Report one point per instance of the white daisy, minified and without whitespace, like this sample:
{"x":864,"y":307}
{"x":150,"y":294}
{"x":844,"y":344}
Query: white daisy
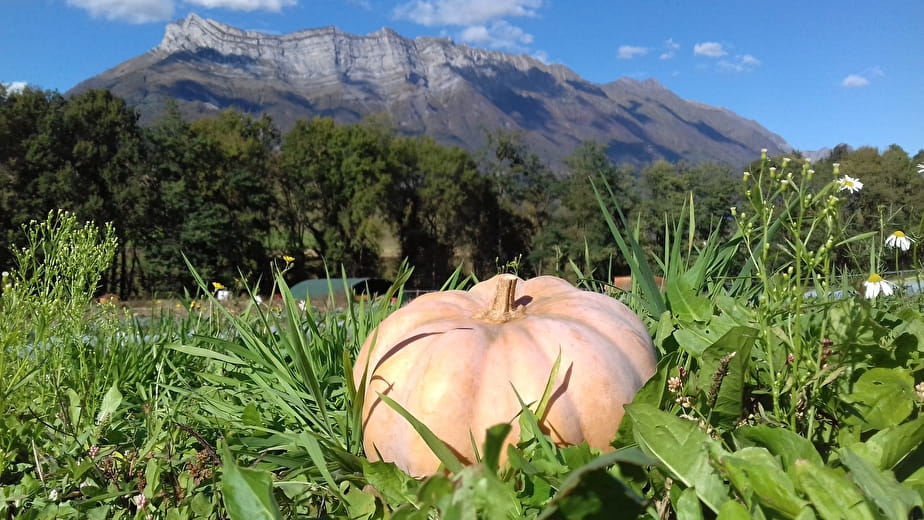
{"x":900,"y":240}
{"x":850,"y":184}
{"x":875,"y":285}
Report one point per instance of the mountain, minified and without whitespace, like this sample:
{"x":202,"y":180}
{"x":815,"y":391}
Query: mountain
{"x":428,"y":86}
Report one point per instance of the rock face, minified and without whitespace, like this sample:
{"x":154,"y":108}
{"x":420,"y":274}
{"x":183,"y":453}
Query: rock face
{"x":428,"y":86}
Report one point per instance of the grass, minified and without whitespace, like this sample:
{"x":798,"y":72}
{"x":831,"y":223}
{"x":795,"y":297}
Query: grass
{"x":766,"y":404}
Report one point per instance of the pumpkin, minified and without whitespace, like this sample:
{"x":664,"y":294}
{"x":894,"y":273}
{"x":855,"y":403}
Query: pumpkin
{"x":454,"y":358}
{"x":624,"y":283}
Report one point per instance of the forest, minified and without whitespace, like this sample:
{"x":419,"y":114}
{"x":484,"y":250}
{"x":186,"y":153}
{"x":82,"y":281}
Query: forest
{"x":234,"y":195}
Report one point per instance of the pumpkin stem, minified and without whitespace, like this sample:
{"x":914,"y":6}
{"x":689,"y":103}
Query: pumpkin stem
{"x":504,"y":307}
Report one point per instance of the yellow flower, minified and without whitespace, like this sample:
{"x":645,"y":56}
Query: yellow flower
{"x":217,"y":286}
{"x":288,"y":259}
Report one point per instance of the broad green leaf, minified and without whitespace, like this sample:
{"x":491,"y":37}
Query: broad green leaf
{"x":110,"y":404}
{"x":663,"y":331}
{"x":722,"y":371}
{"x":685,"y":303}
{"x":732,"y":510}
{"x":755,"y":470}
{"x":893,"y":499}
{"x":248,"y":493}
{"x":591,"y":485}
{"x":408,"y":512}
{"x":360,"y":505}
{"x":886,"y":448}
{"x":494,"y":442}
{"x":152,"y":477}
{"x":851,"y":323}
{"x":832,"y":495}
{"x":652,"y":393}
{"x":682,"y":448}
{"x":806,"y":514}
{"x":394,"y":485}
{"x":883,"y":397}
{"x":783,"y":443}
{"x":97,"y":513}
{"x":251,"y":416}
{"x":74,"y":408}
{"x":201,"y":505}
{"x":479,"y":490}
{"x":439,"y":448}
{"x":911,"y":324}
{"x":436,"y":491}
{"x":577,"y":455}
{"x":591,"y":492}
{"x":916,"y":481}
{"x":687,"y":506}
{"x":696,"y":339}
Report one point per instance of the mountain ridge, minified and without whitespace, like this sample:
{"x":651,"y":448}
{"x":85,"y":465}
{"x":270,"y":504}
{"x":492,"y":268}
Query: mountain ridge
{"x":428,"y":85}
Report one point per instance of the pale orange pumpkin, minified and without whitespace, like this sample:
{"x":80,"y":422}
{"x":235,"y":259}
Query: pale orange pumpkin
{"x":453,"y":359}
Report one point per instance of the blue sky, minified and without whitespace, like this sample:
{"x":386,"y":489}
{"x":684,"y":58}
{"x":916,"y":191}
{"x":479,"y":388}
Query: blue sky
{"x":818,"y":73}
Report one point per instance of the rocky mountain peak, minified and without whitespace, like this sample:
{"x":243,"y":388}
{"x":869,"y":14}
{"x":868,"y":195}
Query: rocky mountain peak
{"x":427,"y":85}
{"x":330,"y":52}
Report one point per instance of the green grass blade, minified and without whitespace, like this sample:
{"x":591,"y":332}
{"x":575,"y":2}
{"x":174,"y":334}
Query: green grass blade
{"x":439,"y":448}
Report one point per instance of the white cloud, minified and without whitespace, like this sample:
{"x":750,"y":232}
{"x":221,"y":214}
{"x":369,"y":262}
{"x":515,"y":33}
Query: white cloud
{"x":133,"y":11}
{"x":741,"y":63}
{"x":14,"y":86}
{"x":145,"y":11}
{"x":749,"y":60}
{"x":627,"y":52}
{"x":711,"y":49}
{"x":463,"y":12}
{"x":670,"y":49}
{"x":244,"y":5}
{"x":854,"y":80}
{"x":498,"y":34}
{"x":863,"y":79}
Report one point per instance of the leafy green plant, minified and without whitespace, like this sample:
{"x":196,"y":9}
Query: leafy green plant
{"x":775,"y":371}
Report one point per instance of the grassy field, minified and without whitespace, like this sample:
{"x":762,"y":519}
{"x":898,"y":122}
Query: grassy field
{"x":767,"y":403}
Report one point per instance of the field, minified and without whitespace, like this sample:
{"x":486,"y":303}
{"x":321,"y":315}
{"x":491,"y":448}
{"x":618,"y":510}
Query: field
{"x":787,"y":387}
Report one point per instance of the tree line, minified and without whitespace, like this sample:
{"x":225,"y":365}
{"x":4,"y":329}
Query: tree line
{"x":235,"y":195}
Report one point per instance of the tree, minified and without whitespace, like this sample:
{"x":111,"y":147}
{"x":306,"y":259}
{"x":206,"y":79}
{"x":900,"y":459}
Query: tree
{"x":79,"y":155}
{"x":331,"y":182}
{"x":99,"y":178}
{"x":27,"y":152}
{"x":664,"y":192}
{"x":441,"y":207}
{"x":239,"y":185}
{"x":581,"y":230}
{"x":209,"y":199}
{"x":526,"y":189}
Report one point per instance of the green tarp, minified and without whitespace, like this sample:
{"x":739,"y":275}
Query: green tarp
{"x":338,"y":287}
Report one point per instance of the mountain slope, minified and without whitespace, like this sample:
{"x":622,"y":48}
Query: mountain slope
{"x":429,"y":86}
